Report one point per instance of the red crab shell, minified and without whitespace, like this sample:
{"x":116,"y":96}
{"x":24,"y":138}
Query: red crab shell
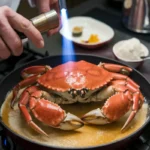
{"x":75,"y":75}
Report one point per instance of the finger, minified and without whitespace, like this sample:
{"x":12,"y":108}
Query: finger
{"x":10,"y":38}
{"x":24,"y":25}
{"x":53,"y":31}
{"x":54,"y":5}
{"x":4,"y":51}
{"x":43,"y":5}
{"x":53,"y":1}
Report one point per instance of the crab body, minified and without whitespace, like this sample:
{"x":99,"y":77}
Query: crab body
{"x":77,"y":82}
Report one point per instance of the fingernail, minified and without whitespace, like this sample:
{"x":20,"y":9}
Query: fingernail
{"x":41,"y":44}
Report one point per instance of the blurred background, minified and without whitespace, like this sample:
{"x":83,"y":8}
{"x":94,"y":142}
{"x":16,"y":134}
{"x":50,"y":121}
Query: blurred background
{"x":29,"y":12}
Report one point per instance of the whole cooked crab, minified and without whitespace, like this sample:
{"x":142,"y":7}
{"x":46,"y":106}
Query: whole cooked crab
{"x":72,"y":82}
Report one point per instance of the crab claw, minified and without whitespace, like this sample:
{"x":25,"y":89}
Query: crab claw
{"x":71,"y":122}
{"x":95,"y":117}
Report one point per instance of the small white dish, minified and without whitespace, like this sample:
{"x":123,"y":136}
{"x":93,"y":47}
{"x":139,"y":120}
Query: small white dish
{"x":90,"y":26}
{"x":131,"y":62}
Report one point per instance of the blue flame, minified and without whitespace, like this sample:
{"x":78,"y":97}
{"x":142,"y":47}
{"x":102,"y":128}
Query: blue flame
{"x":5,"y":142}
{"x":67,"y":45}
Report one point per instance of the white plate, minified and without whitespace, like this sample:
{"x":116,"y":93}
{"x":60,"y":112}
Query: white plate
{"x":90,"y":26}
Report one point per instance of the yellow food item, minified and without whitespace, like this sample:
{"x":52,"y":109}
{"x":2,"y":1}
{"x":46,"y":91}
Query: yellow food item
{"x":92,"y":39}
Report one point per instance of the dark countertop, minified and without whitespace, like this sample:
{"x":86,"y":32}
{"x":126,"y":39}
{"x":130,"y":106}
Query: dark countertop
{"x":103,"y":11}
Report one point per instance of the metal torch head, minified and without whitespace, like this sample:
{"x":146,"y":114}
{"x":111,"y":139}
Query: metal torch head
{"x":46,"y":21}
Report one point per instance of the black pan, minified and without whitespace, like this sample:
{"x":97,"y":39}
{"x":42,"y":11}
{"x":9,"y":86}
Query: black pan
{"x":14,"y":77}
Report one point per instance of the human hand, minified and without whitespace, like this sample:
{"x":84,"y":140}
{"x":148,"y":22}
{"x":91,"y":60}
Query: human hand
{"x":45,"y":6}
{"x":10,"y":43}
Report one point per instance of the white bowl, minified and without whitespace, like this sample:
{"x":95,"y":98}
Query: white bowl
{"x":131,"y":62}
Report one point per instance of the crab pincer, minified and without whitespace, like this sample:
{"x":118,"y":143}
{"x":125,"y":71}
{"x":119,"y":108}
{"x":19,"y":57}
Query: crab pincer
{"x":121,"y":95}
{"x":46,"y":111}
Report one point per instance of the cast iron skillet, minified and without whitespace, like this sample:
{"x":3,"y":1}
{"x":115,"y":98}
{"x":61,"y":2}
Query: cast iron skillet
{"x":14,"y":77}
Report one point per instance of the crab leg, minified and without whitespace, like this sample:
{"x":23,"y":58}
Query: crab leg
{"x":26,"y":82}
{"x":30,"y":75}
{"x":34,"y":70}
{"x":116,"y":68}
{"x":22,"y":105}
{"x":129,"y":83}
{"x":117,"y":76}
{"x":135,"y":108}
{"x":46,"y":111}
